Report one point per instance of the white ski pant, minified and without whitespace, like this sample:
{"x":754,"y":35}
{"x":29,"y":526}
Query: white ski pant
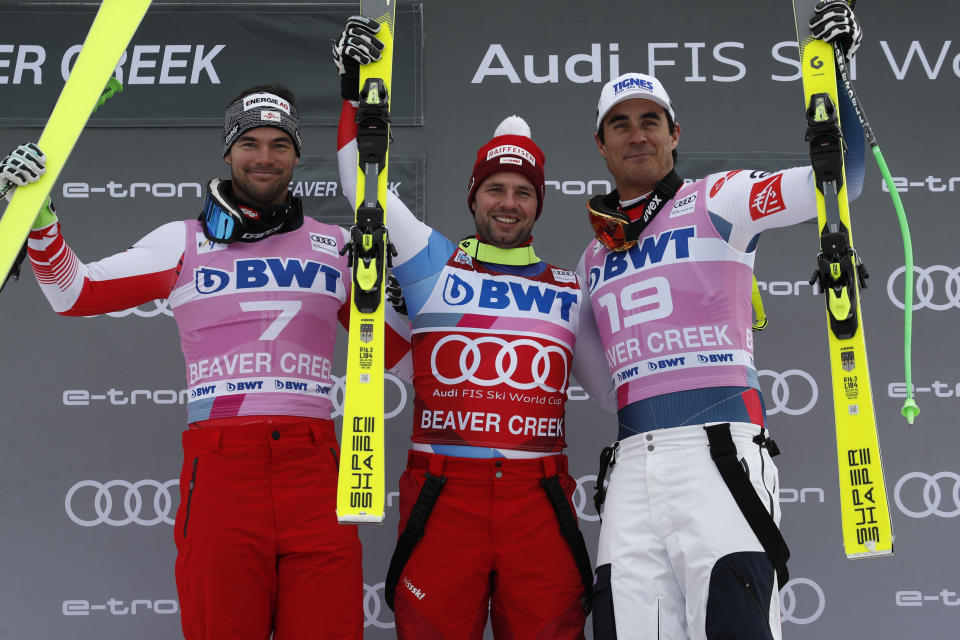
{"x":677,"y":558}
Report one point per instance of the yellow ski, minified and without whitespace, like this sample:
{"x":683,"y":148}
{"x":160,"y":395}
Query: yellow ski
{"x":112,"y":29}
{"x":865,"y":516}
{"x":360,"y":485}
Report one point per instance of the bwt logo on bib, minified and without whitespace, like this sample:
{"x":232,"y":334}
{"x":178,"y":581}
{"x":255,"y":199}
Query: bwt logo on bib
{"x":245,"y":385}
{"x":272,"y":273}
{"x":289,"y":385}
{"x":498,"y":294}
{"x":667,"y":363}
{"x":653,"y":250}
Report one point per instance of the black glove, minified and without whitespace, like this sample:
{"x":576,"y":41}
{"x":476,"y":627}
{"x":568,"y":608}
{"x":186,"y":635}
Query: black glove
{"x":833,"y":21}
{"x":394,"y":295}
{"x":358,"y":44}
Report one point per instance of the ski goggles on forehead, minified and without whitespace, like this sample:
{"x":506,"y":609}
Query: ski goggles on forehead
{"x":612,"y":228}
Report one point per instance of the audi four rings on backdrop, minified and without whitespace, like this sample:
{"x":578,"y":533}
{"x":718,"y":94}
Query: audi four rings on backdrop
{"x":777,"y":401}
{"x":936,"y":501}
{"x":926,"y":290}
{"x":374,"y":603}
{"x":161,"y":507}
{"x":795,"y":608}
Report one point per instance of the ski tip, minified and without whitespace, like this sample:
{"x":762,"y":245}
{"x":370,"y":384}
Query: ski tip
{"x":910,"y":410}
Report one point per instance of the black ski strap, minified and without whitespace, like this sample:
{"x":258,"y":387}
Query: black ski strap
{"x":572,"y":535}
{"x":724,"y":454}
{"x":412,"y":533}
{"x":608,"y":459}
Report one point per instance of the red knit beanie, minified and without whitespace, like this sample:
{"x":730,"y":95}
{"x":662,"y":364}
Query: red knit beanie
{"x":511,"y":149}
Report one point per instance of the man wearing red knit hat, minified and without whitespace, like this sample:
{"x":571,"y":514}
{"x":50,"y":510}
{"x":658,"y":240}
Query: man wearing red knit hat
{"x":486,"y":519}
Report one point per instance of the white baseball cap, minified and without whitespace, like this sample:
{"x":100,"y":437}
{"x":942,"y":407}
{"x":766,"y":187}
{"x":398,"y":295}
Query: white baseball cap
{"x":632,"y":85}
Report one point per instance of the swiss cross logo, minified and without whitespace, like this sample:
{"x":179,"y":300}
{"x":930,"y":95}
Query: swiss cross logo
{"x":766,"y":197}
{"x":715,"y":189}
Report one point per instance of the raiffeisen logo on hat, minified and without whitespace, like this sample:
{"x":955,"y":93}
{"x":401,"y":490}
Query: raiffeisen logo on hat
{"x":513,"y":150}
{"x":256,"y":100}
{"x":632,"y":83}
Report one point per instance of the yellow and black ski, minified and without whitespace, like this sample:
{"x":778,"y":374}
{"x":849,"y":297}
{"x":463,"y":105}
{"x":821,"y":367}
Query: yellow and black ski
{"x":113,"y":27}
{"x":865,"y":516}
{"x":360,"y":486}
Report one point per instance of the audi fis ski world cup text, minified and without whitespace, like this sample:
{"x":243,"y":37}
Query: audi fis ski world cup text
{"x":701,"y":62}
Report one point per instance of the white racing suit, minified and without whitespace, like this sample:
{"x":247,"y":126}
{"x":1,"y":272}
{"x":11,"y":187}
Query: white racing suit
{"x":677,"y":557}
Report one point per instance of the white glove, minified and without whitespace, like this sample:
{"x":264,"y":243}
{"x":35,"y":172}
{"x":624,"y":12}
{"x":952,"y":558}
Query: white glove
{"x":23,"y":165}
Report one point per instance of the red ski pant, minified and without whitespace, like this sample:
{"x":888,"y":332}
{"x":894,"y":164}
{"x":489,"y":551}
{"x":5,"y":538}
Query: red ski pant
{"x":492,"y":543}
{"x":259,"y":549}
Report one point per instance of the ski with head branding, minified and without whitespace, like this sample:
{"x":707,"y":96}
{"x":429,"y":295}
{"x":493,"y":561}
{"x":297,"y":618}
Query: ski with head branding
{"x":360,"y":486}
{"x":865,"y":516}
{"x":111,"y":31}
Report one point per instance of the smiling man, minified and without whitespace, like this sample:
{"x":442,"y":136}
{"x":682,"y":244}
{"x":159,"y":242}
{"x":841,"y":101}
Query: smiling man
{"x":688,"y":550}
{"x":257,"y":290}
{"x":487,"y":526}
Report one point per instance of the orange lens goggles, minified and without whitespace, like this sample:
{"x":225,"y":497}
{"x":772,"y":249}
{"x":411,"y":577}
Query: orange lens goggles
{"x":610,"y":228}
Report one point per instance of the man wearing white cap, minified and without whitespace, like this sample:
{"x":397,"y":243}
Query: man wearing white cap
{"x":486,"y":520}
{"x":687,"y":548}
{"x":257,"y":290}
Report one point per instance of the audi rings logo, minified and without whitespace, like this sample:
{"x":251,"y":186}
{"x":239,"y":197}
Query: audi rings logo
{"x":793,"y":382}
{"x":118,"y":503}
{"x":375,"y":603}
{"x":336,"y":395}
{"x":801,"y":601}
{"x":939,"y":294}
{"x":939,"y":493}
{"x":500,"y":362}
{"x":583,"y":498}
{"x":146,"y":310}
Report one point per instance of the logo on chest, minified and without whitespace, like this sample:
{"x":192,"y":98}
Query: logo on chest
{"x":671,"y":245}
{"x":267,"y":273}
{"x":504,"y":295}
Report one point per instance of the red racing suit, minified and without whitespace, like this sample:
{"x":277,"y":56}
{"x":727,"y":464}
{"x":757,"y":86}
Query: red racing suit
{"x":260,"y":551}
{"x":493,"y":347}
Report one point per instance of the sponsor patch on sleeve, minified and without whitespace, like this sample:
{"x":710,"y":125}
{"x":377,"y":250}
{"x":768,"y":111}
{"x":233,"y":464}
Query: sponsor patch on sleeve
{"x":562,"y":275}
{"x":766,"y":197}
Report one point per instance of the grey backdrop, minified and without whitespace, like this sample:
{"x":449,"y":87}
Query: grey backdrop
{"x":98,"y":400}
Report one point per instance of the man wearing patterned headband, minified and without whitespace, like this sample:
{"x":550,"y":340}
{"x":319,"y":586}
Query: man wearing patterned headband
{"x":256,"y":290}
{"x":487,"y":524}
